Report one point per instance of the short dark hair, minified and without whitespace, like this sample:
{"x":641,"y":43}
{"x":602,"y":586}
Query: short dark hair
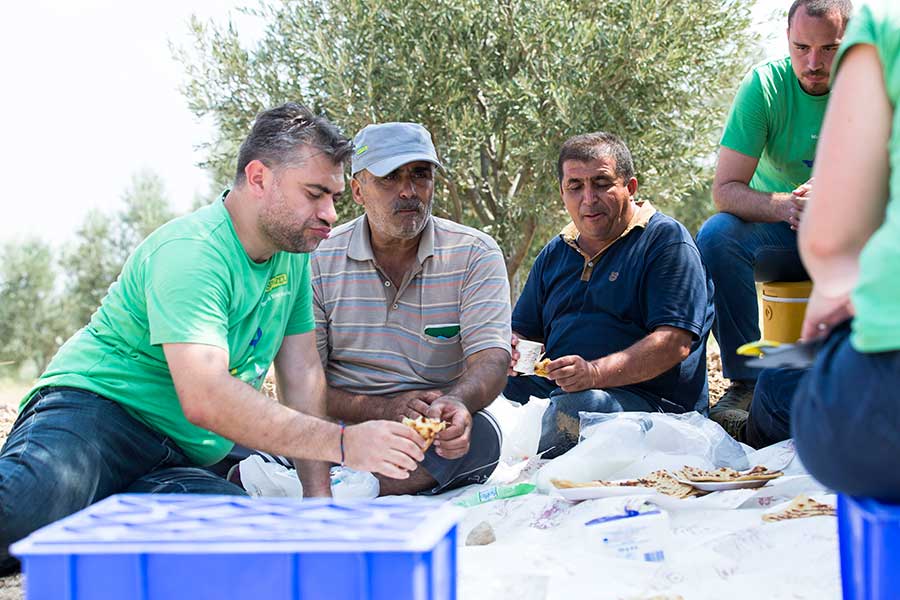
{"x":821,"y":8}
{"x":591,"y":146}
{"x":277,"y":133}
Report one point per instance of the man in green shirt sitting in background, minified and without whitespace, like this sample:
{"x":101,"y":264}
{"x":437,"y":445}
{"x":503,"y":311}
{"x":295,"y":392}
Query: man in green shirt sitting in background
{"x":165,"y":378}
{"x":761,"y":183}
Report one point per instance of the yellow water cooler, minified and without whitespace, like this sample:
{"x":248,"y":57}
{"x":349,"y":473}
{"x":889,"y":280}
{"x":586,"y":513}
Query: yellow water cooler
{"x":784,"y":306}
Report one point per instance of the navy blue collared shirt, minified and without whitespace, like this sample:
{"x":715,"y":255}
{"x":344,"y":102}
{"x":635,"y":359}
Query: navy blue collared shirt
{"x":592,"y":307}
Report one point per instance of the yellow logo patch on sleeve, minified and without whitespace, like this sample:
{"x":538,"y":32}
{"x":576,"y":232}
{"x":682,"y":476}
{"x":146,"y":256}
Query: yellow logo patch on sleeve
{"x":276,"y":282}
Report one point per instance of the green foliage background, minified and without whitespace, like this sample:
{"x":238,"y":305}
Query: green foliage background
{"x":47,"y":294}
{"x":500,"y":84}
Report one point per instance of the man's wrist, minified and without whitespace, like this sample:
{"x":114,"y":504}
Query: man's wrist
{"x":596,"y":374}
{"x":783,"y":206}
{"x":453,"y":398}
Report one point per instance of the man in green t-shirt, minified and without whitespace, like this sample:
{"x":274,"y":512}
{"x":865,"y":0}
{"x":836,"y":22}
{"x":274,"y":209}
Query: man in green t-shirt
{"x":762,"y":180}
{"x":165,"y":378}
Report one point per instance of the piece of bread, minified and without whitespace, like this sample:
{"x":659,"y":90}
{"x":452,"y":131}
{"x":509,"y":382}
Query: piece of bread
{"x":725,"y":474}
{"x":540,"y":367}
{"x":662,"y":481}
{"x":427,"y":428}
{"x":566,"y":484}
{"x":800,"y":507}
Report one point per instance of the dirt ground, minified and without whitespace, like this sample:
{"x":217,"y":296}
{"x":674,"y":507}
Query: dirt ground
{"x":11,"y":587}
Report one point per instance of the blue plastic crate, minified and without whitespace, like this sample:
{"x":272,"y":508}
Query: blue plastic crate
{"x":869,"y":534}
{"x":172,"y":547}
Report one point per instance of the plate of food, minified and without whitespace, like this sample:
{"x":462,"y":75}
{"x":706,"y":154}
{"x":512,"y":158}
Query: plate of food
{"x":726,"y":479}
{"x":658,"y":482}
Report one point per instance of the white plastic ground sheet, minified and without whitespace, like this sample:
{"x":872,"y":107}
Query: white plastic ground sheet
{"x":716,"y":546}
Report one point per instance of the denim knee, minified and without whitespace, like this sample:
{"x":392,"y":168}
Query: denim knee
{"x":719,"y":231}
{"x":571,"y":403}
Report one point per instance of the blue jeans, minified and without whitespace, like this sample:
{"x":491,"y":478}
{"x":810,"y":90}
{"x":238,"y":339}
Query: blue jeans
{"x":846,"y":421}
{"x":730,"y":247}
{"x":560,"y":427}
{"x":770,"y":413}
{"x":70,"y":448}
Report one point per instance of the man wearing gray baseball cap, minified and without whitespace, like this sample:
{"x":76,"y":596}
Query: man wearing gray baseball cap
{"x":412,"y":312}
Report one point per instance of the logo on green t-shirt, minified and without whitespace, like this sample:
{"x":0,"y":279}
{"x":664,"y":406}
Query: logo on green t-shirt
{"x":276,"y":282}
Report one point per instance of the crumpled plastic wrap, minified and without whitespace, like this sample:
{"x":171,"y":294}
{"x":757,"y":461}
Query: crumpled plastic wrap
{"x":719,"y":548}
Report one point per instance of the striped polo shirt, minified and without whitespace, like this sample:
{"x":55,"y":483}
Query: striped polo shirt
{"x":375,"y":337}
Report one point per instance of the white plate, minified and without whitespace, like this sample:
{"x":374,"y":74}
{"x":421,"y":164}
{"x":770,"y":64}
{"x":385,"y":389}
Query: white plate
{"x":592,"y":493}
{"x":717,"y":486}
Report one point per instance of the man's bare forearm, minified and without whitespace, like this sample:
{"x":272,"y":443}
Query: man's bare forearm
{"x":737,"y":198}
{"x":247,"y":417}
{"x":483,"y":380}
{"x":648,"y":358}
{"x":304,"y":390}
{"x":353,"y":408}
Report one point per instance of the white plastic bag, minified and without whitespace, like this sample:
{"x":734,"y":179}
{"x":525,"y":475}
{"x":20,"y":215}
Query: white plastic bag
{"x":269,"y":479}
{"x":671,"y":439}
{"x":521,"y":427}
{"x":347,"y":483}
{"x":619,"y":444}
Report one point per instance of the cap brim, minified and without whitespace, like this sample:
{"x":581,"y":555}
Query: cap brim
{"x":383,"y":167}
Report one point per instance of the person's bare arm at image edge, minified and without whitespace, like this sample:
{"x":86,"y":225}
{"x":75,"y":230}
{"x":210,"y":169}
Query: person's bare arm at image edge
{"x":851,"y":172}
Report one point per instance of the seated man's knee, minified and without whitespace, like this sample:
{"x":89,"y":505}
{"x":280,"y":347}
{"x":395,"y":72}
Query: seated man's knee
{"x":599,"y":401}
{"x":561,"y":424}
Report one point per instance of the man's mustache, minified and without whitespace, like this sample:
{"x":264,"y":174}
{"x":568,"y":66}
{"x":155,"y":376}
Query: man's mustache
{"x":401,"y":206}
{"x":815,"y":73}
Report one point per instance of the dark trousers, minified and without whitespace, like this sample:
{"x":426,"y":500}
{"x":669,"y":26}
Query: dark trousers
{"x":730,"y":248}
{"x":770,"y":412}
{"x":846,"y":420}
{"x":70,"y":448}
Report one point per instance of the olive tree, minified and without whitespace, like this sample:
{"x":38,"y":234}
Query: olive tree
{"x":499,"y":83}
{"x":92,"y":262}
{"x":32,"y":322}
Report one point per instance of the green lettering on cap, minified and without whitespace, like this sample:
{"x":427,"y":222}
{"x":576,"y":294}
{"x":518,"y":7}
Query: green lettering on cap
{"x":361,"y":150}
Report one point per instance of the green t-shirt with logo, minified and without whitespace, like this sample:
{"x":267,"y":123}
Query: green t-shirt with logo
{"x":189,"y":282}
{"x":876,"y":298}
{"x":774,"y":120}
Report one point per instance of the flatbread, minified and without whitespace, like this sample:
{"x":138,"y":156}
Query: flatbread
{"x":540,"y":367}
{"x":800,"y":507}
{"x":664,"y":483}
{"x":566,"y":484}
{"x":426,"y":427}
{"x":722,"y":474}
{"x":661,"y":481}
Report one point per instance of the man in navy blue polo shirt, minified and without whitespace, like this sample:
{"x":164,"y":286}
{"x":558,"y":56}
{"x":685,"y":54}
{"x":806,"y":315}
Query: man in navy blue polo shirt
{"x":620,"y":300}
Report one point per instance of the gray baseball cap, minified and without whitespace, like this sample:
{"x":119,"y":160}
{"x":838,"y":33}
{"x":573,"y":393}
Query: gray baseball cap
{"x":383,"y":147}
